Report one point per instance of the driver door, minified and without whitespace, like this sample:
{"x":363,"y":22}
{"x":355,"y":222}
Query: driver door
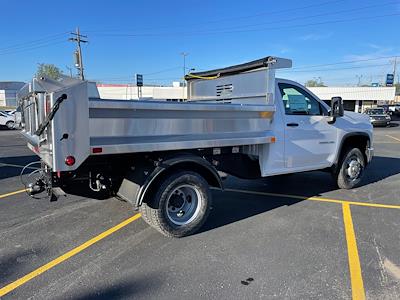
{"x":310,"y":142}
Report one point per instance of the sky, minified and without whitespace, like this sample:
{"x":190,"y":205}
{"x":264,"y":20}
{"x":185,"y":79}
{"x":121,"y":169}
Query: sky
{"x":340,"y":42}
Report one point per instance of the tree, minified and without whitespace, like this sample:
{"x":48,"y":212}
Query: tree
{"x":49,"y":71}
{"x":314,"y":83}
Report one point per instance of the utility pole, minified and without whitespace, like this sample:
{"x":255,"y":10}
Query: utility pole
{"x":394,"y":69}
{"x":70,"y":71}
{"x":359,"y":79}
{"x":77,"y":37}
{"x":184,"y":54}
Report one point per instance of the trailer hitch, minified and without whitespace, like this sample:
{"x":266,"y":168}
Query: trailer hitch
{"x":35,"y":177}
{"x":37,"y":187}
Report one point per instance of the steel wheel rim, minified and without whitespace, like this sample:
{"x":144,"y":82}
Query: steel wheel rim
{"x":353,"y":168}
{"x":10,"y":125}
{"x":183,"y":204}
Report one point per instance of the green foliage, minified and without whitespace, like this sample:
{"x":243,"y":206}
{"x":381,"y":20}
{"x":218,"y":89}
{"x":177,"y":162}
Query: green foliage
{"x":49,"y":71}
{"x":314,"y":83}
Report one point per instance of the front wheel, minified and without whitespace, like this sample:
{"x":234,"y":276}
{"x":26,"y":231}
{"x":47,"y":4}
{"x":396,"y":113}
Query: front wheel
{"x":10,"y":125}
{"x":350,"y":169}
{"x":180,"y":206}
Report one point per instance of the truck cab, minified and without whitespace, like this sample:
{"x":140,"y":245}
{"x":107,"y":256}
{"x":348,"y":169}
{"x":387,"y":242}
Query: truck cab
{"x":310,"y":138}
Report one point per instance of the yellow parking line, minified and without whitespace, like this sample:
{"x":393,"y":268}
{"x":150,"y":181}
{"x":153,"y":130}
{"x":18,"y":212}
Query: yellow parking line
{"x":320,"y":199}
{"x":357,"y":285}
{"x":12,"y":193}
{"x":12,"y":286}
{"x":395,"y":138}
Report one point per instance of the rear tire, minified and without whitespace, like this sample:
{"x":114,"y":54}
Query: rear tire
{"x":10,"y":124}
{"x":180,"y":206}
{"x":350,"y":169}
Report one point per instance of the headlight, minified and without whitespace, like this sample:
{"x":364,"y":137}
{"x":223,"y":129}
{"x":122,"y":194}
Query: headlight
{"x":387,"y":117}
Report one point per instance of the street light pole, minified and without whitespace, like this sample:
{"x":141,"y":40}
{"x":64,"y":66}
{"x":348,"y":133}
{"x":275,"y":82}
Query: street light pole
{"x":184,"y":54}
{"x":359,"y":79}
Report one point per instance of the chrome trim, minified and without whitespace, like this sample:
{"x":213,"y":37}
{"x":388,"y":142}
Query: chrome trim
{"x":369,"y":153}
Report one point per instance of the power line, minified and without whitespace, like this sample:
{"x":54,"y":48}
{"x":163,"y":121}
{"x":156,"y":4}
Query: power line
{"x":162,"y":71}
{"x":344,"y":62}
{"x":32,"y":48}
{"x":34,"y":42}
{"x":193,"y":33}
{"x":313,"y":16}
{"x":269,"y":12}
{"x":129,"y":77}
{"x":307,"y":24}
{"x":335,"y":69}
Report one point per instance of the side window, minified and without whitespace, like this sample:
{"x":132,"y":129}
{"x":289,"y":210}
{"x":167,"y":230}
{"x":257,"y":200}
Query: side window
{"x":298,"y":102}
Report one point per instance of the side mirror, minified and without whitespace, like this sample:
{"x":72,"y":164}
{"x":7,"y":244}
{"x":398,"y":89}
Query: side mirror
{"x":337,"y":109}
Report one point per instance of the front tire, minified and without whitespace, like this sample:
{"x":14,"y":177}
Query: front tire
{"x":180,"y":206}
{"x":10,"y":125}
{"x":350,"y":169}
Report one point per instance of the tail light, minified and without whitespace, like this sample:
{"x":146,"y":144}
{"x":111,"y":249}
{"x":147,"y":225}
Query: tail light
{"x":70,"y":160}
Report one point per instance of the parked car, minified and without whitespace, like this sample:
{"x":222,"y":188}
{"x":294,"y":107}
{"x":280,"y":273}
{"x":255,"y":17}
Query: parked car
{"x":394,"y":110}
{"x":378,"y":117}
{"x":17,"y":118}
{"x":6,"y":120}
{"x":10,"y":111}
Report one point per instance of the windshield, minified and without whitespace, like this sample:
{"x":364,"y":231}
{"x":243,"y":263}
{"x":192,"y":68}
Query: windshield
{"x":376,"y":111}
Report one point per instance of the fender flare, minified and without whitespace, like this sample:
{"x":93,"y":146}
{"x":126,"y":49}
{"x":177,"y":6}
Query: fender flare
{"x":138,"y":181}
{"x":343,"y":140}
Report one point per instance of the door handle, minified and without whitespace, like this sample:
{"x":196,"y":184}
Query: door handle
{"x":292,"y":124}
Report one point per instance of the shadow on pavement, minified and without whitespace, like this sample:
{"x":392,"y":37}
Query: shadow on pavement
{"x":13,"y":265}
{"x":380,"y":168}
{"x":128,"y":288}
{"x":10,"y":171}
{"x":230,"y":207}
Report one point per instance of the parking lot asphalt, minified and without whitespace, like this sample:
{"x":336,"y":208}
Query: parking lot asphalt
{"x":292,"y":237}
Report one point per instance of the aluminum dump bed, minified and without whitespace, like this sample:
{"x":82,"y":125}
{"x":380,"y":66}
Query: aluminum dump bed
{"x":60,"y":119}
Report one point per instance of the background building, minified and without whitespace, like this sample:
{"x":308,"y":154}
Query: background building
{"x":129,"y":92}
{"x":8,"y":93}
{"x":357,"y":98}
{"x":354,"y":98}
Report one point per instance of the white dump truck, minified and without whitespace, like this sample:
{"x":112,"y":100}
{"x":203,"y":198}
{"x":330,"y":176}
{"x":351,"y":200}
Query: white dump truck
{"x":162,"y":156}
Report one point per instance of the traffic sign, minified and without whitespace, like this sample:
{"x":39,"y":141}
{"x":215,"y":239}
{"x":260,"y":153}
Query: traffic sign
{"x":139,"y":80}
{"x":389,"y":79}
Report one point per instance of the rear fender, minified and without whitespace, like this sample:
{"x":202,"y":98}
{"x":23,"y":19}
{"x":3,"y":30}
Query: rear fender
{"x":142,"y":180}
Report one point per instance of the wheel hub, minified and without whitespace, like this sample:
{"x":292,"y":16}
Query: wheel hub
{"x":354,"y":169}
{"x":183,"y":204}
{"x":177,"y":201}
